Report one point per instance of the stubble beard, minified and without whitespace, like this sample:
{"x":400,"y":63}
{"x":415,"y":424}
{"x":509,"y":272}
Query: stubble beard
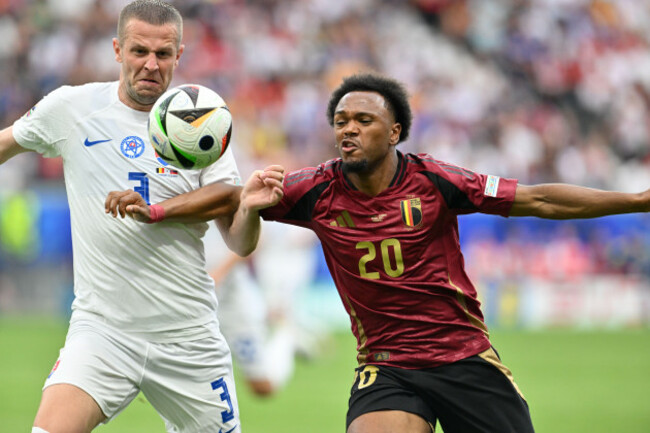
{"x":142,"y":99}
{"x":358,"y":167}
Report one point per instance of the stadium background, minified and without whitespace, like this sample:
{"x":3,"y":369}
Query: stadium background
{"x":539,"y":90}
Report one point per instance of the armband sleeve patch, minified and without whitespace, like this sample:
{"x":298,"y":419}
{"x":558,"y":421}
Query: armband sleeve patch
{"x":491,"y":186}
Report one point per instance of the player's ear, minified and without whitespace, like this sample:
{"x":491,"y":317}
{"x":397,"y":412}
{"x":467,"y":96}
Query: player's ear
{"x":118,"y":51}
{"x":181,"y":48}
{"x":395,"y":131}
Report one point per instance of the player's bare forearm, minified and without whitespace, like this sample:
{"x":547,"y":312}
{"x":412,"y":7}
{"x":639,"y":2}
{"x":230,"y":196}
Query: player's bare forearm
{"x":234,"y":209}
{"x":241,"y":232}
{"x":263,"y":189}
{"x":563,"y":201}
{"x":209,"y":202}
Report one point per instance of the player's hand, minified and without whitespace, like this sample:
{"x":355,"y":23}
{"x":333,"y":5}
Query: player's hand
{"x":127,"y":203}
{"x":264,"y":188}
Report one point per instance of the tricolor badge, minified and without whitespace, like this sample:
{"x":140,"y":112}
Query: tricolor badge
{"x":411,"y":212}
{"x":166,"y":170}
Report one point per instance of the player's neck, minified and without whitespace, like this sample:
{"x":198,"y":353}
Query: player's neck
{"x":377,"y":179}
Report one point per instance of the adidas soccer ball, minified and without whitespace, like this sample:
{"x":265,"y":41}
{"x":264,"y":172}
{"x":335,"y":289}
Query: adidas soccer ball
{"x":190,"y":126}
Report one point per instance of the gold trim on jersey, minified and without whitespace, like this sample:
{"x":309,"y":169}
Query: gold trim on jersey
{"x":460,"y":297}
{"x":362,"y":357}
{"x":491,"y":356}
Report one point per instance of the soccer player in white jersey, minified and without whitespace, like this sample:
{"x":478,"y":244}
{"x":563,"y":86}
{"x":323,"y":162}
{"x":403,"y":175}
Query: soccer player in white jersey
{"x":144,"y":314}
{"x":262,"y":346}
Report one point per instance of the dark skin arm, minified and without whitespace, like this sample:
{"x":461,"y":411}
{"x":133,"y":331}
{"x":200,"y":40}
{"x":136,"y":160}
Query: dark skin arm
{"x":235,"y":209}
{"x":212,"y":201}
{"x":564,"y":201}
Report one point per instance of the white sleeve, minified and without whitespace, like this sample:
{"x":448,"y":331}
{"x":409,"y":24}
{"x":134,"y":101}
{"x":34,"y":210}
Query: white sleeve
{"x":47,"y":125}
{"x":223,"y":170}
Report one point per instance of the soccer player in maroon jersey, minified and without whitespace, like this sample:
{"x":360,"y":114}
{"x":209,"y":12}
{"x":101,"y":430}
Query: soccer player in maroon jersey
{"x":388,"y":226}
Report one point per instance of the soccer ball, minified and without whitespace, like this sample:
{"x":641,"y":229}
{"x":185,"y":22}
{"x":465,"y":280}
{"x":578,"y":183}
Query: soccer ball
{"x":190,"y":126}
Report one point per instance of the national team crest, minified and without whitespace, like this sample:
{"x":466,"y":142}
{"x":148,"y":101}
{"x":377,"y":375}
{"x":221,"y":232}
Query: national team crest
{"x":132,"y":146}
{"x":411,"y":212}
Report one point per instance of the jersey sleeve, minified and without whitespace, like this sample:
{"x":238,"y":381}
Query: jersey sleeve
{"x":46,"y":126}
{"x":467,"y":192}
{"x":223,"y":170}
{"x":302,"y":189}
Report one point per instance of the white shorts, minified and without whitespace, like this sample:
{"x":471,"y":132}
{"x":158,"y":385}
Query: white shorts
{"x":190,"y":384}
{"x":242,"y":318}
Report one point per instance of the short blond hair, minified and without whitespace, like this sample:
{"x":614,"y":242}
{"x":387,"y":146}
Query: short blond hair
{"x":156,"y":12}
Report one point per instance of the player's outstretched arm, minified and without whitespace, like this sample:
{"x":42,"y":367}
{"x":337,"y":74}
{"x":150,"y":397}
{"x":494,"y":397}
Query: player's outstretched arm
{"x":8,"y":145}
{"x":203,"y":204}
{"x":235,"y":209}
{"x":263,"y":189}
{"x":564,"y":201}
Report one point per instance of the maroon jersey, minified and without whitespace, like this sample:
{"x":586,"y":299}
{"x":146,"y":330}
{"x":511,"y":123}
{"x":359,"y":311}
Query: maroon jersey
{"x":395,"y":258}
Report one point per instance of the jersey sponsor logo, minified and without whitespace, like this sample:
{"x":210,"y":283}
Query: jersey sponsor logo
{"x":343,"y":220}
{"x":492,"y":186}
{"x":132,"y":146}
{"x":411,"y":212}
{"x":378,"y":218}
{"x":89,"y":143}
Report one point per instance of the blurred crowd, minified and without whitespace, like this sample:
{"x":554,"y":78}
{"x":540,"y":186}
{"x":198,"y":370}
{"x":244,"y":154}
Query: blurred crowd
{"x":539,"y":90}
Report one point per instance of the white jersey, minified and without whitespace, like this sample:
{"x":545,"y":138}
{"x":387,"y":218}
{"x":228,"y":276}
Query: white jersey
{"x":148,"y":279}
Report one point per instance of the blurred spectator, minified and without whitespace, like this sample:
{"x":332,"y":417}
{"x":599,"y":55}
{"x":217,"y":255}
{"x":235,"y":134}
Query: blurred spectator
{"x":544,"y":90}
{"x":507,"y":78}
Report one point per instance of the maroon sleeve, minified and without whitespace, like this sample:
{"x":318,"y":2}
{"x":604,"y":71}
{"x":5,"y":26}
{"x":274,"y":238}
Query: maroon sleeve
{"x":302,"y":190}
{"x":465,"y":191}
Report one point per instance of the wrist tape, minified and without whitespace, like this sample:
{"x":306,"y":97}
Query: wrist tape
{"x":156,"y":213}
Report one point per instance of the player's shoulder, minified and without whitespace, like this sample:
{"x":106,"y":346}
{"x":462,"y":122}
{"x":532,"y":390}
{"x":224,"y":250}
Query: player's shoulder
{"x":71,"y":102}
{"x":324,"y":172}
{"x":83,"y":92}
{"x":79,"y":100}
{"x":424,"y":162}
{"x":420,"y":161}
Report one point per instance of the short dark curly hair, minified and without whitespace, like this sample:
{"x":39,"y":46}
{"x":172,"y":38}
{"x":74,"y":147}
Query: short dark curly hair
{"x":393,"y":91}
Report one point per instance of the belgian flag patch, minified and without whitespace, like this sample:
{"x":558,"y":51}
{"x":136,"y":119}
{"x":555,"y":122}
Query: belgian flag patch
{"x":411,"y":212}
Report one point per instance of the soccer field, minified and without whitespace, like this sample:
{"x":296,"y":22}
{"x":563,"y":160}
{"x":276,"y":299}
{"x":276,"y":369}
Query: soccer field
{"x":575,"y":382}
